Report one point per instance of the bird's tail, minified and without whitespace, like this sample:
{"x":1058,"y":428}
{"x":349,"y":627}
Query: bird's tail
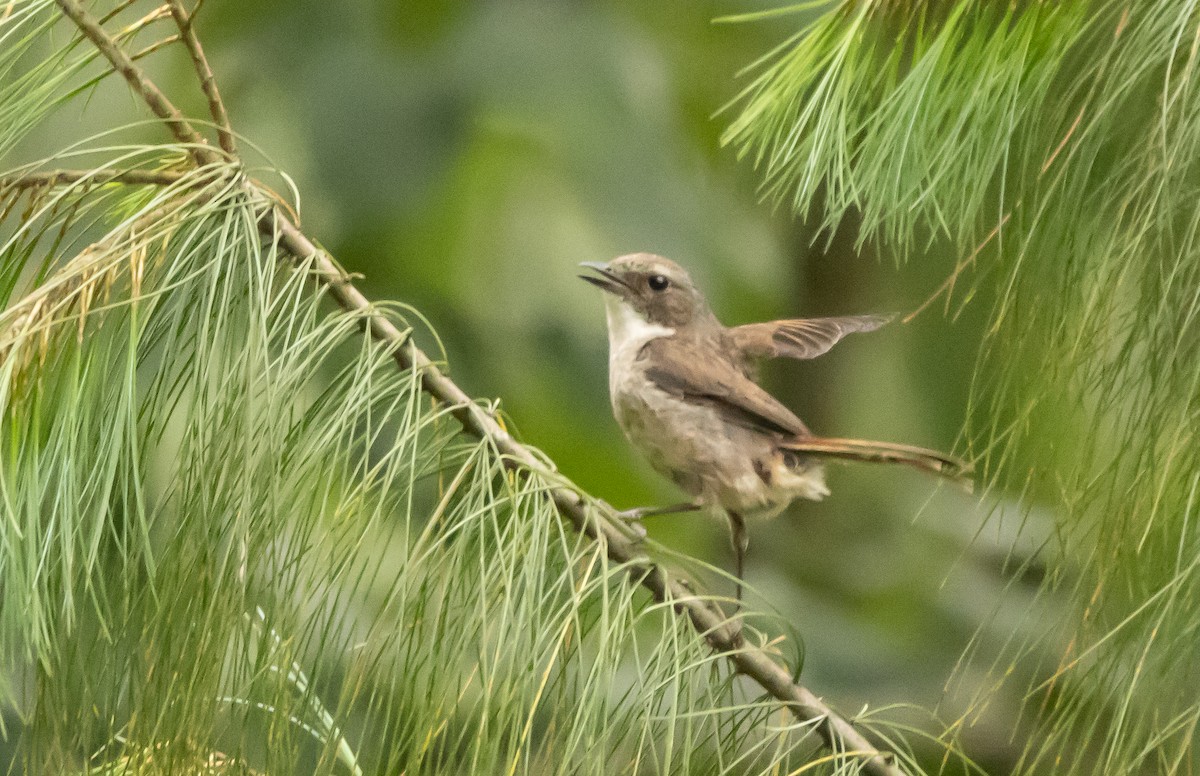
{"x":884,"y":452}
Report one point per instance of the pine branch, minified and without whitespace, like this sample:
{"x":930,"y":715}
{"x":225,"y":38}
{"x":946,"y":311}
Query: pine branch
{"x":839,"y":735}
{"x":136,"y":77}
{"x":208,"y":83}
{"x":56,"y":177}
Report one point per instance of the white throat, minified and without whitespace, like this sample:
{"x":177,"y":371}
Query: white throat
{"x":628,"y":331}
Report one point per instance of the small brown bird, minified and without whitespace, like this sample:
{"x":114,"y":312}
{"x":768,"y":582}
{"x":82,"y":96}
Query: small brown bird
{"x":683,"y":390}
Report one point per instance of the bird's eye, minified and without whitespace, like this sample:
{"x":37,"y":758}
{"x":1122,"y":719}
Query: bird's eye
{"x":658,"y":283}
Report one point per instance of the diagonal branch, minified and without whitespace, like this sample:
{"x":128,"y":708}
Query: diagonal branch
{"x":208,"y":84}
{"x":136,"y":77}
{"x":839,"y":735}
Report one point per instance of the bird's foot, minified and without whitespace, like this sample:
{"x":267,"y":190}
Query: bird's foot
{"x":736,"y":638}
{"x":733,"y":626}
{"x":639,"y":530}
{"x":630,"y":517}
{"x":633,"y":517}
{"x":636,"y":514}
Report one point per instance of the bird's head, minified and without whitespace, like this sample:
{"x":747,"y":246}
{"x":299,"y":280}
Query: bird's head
{"x":656,"y":290}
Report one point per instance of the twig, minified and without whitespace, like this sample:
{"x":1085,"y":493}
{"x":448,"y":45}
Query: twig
{"x":167,"y":41}
{"x":55,"y":177}
{"x":121,"y":6}
{"x":948,"y":284}
{"x":838,"y":734}
{"x":151,"y":95}
{"x":208,"y":84}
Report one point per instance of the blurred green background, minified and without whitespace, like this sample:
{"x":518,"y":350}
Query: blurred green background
{"x":465,"y":156}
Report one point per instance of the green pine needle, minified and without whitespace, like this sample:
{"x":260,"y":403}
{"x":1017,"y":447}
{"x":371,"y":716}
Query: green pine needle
{"x":1053,"y":148}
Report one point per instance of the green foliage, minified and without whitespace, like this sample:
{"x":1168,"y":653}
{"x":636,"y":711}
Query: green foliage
{"x":1055,"y":145}
{"x":238,"y":539}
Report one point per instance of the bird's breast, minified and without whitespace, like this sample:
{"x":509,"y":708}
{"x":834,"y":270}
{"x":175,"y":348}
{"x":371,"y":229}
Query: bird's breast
{"x":628,"y":333}
{"x":674,"y":436}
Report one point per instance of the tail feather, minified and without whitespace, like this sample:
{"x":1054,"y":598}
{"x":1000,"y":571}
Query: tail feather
{"x":885,"y":452}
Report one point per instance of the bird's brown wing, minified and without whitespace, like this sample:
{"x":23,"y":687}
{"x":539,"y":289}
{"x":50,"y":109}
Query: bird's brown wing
{"x":702,"y":374}
{"x":800,"y":337}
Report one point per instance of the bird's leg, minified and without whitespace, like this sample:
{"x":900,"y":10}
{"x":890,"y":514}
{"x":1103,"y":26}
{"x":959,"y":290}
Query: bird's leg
{"x":635,"y":515}
{"x":741,"y":541}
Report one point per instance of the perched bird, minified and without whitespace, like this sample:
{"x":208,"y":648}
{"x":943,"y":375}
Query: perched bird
{"x":683,"y":390}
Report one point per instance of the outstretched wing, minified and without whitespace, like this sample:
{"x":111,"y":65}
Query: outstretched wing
{"x":710,"y":379}
{"x":800,"y":337}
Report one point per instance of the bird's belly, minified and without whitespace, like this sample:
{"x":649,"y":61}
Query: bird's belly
{"x":721,"y":463}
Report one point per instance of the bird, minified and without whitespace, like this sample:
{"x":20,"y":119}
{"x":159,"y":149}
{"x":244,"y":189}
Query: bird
{"x":684,"y":391}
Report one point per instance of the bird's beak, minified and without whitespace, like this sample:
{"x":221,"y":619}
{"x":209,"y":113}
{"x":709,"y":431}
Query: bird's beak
{"x":604,"y":278}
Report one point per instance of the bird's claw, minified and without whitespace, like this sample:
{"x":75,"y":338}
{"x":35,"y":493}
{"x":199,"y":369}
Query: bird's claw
{"x":737,"y":639}
{"x":630,"y":517}
{"x":733,"y":626}
{"x":634,"y":515}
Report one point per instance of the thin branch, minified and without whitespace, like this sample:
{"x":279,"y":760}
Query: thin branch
{"x":208,"y":84}
{"x":711,"y":624}
{"x":121,"y":6}
{"x":155,"y":47}
{"x":150,"y":93}
{"x":948,"y":283}
{"x":55,"y":177}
